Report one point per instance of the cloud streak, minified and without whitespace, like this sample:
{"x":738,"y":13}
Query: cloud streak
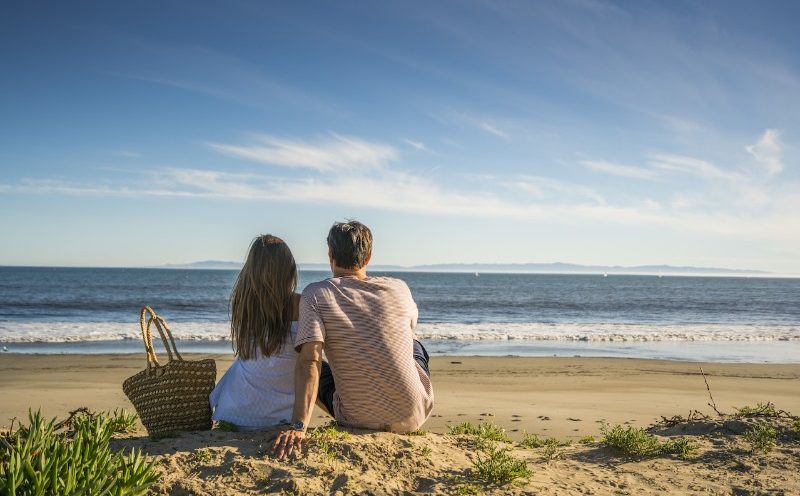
{"x":419,"y":145}
{"x":620,"y":170}
{"x":331,"y":154}
{"x":355,"y":172}
{"x":767,"y":152}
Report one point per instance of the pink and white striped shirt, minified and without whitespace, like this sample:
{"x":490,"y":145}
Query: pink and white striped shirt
{"x":366,"y":327}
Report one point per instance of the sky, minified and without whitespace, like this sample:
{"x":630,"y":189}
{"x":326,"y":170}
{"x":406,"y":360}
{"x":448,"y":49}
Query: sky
{"x":580,"y":131}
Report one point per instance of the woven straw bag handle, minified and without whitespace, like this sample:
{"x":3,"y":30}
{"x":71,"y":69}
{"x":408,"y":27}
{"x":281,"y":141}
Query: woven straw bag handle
{"x":163,"y":331}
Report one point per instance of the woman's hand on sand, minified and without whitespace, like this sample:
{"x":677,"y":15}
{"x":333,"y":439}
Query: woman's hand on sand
{"x":288,"y":442}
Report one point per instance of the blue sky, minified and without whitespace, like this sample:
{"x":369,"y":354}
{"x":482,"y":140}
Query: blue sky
{"x":580,"y":131}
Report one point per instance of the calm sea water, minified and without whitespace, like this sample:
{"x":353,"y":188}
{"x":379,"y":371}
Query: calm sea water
{"x":66,"y":310}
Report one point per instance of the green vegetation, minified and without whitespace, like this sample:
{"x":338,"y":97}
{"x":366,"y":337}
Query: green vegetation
{"x":589,"y":439}
{"x":123,"y":420}
{"x":324,"y":438}
{"x":534,"y":441}
{"x":494,"y":465}
{"x":202,"y":455}
{"x":760,"y":410}
{"x":468,"y":489}
{"x":762,"y":437}
{"x":485,"y":431}
{"x":796,"y":426}
{"x":634,"y":441}
{"x":551,"y":452}
{"x":683,"y":447}
{"x":72,"y":457}
{"x":227,"y":426}
{"x":425,"y":451}
{"x":418,"y":432}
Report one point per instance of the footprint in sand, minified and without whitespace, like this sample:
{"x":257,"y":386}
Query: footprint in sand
{"x":574,"y":419}
{"x":456,"y":363}
{"x":461,"y":414}
{"x":516,"y":416}
{"x":516,"y":420}
{"x":543,"y":417}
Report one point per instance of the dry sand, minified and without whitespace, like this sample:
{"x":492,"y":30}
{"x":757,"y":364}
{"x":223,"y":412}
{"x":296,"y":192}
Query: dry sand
{"x":563,"y":397}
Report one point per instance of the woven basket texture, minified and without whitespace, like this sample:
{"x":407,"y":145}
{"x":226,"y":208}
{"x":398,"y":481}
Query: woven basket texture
{"x":173,"y":397}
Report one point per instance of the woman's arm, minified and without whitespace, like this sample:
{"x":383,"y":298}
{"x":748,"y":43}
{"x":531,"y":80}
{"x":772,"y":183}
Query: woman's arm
{"x":306,"y":384}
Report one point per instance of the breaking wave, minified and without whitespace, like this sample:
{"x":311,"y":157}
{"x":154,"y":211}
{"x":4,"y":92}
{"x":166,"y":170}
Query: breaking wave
{"x":65,"y":332}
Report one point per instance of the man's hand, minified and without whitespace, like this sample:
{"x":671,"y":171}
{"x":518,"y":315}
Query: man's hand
{"x":288,"y":442}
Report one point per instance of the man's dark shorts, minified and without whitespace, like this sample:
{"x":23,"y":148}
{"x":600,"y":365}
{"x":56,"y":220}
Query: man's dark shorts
{"x":327,"y":387}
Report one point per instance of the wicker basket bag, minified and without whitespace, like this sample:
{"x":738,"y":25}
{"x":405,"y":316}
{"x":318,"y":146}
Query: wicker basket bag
{"x":172,"y":397}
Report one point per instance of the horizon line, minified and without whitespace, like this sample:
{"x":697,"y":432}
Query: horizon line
{"x":620,"y":270}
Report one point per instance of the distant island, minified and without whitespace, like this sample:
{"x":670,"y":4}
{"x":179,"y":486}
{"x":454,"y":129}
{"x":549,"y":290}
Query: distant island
{"x":517,"y":268}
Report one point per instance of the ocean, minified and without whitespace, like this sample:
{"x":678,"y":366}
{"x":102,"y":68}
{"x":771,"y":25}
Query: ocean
{"x":724,"y":319}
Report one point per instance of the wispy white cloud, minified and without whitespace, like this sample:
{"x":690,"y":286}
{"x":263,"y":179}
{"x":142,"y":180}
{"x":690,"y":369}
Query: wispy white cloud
{"x":419,"y":145}
{"x":359,"y":173}
{"x":330,"y":154}
{"x":554,"y":191}
{"x":492,"y":129}
{"x":483,"y":123}
{"x":693,"y":166}
{"x":403,"y":192}
{"x":620,"y":170}
{"x":768,"y":151}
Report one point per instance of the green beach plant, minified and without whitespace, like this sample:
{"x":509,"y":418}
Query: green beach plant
{"x":760,"y":410}
{"x":494,"y":465}
{"x":683,"y":447}
{"x":324,"y":439}
{"x":42,"y":458}
{"x":588,"y":439}
{"x":123,"y":421}
{"x":486,"y":431}
{"x":762,"y":437}
{"x":535,"y":441}
{"x":635,"y":441}
{"x":225,"y":426}
{"x":202,"y":455}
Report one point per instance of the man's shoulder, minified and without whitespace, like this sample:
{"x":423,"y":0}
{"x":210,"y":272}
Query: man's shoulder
{"x":389,"y":281}
{"x":316,"y":289}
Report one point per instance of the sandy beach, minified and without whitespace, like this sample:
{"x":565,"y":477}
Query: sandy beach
{"x":567,"y":398}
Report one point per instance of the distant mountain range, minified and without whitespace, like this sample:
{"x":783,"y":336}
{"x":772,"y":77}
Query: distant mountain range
{"x":545,"y":268}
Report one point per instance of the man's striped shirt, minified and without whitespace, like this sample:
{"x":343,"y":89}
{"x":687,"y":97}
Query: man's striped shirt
{"x":366,"y":327}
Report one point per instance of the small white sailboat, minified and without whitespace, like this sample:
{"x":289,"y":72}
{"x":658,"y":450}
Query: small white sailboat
{"x":477,"y":275}
{"x":605,"y":274}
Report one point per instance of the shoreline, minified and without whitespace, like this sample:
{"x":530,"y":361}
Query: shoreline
{"x":701,"y":351}
{"x":558,"y":396}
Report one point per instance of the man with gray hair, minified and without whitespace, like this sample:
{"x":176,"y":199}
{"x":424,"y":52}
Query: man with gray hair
{"x":377,"y":374}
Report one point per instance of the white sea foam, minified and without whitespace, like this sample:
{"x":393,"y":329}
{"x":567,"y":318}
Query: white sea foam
{"x":609,"y":332}
{"x":61,"y":332}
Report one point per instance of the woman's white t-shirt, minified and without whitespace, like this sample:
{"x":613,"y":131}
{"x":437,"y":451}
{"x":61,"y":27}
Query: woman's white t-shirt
{"x":258,"y":393}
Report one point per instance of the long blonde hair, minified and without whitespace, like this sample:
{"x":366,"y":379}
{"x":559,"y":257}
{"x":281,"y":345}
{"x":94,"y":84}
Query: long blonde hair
{"x":262,"y":299}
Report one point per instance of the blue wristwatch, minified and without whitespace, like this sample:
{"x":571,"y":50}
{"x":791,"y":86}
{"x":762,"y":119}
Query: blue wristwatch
{"x":298,"y":426}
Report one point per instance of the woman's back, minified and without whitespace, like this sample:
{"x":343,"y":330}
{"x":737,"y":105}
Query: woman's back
{"x":258,"y":393}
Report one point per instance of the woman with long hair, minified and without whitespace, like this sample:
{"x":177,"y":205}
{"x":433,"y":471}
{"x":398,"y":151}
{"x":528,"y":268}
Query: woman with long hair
{"x":257,"y":391}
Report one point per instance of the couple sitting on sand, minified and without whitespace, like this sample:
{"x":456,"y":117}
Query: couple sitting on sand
{"x":376,"y":375}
